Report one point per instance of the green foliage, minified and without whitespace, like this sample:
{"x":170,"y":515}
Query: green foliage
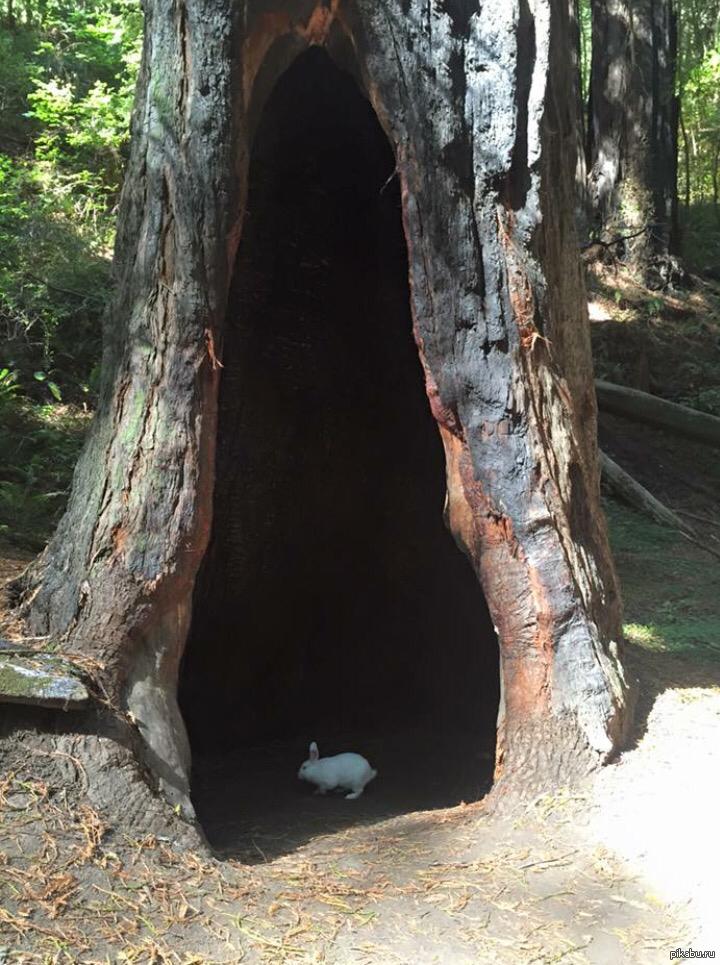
{"x":52,"y":386}
{"x":705,"y":398}
{"x":40,"y":444}
{"x":15,"y":83}
{"x":584,"y":16}
{"x":653,"y":307}
{"x":9,"y":386}
{"x":698,"y":91}
{"x":698,"y":82}
{"x":67,"y":76}
{"x":701,"y":236}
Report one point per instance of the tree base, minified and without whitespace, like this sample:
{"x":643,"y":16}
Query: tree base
{"x":547,"y":754}
{"x":92,"y":768}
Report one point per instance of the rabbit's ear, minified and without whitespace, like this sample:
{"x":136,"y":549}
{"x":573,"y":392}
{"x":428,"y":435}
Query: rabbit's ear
{"x":314,"y":752}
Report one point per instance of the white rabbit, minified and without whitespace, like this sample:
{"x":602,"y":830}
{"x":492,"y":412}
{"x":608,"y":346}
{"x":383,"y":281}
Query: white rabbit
{"x":348,"y":771}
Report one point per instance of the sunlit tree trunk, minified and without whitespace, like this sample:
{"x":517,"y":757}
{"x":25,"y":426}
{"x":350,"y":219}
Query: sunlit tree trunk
{"x":633,"y":126}
{"x":478,"y":105}
{"x":583,"y":212}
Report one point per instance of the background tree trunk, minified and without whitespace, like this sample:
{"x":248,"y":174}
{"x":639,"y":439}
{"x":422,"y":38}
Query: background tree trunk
{"x":478,"y":107}
{"x":583,"y":212}
{"x":633,"y":127}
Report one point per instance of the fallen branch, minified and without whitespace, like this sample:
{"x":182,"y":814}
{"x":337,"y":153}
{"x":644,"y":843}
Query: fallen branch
{"x":703,"y":546}
{"x":700,"y":519}
{"x":618,"y":239}
{"x":634,"y":493}
{"x":643,"y":407}
{"x":86,"y":296}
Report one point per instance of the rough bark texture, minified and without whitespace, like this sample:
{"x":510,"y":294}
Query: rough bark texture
{"x":478,"y":107}
{"x":633,"y":126}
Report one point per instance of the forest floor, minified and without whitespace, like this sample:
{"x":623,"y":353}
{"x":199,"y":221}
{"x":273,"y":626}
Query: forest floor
{"x":622,"y":867}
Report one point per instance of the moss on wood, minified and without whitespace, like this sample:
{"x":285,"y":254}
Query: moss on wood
{"x":41,"y":679}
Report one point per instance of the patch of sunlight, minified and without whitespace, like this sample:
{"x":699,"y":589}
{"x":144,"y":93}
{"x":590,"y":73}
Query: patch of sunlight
{"x":61,"y":415}
{"x":694,"y":694}
{"x":645,"y":635}
{"x":677,"y":633}
{"x":658,"y":809}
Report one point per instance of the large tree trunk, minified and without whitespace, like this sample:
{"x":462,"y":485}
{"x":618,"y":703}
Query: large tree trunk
{"x":478,"y":107}
{"x":633,"y":128}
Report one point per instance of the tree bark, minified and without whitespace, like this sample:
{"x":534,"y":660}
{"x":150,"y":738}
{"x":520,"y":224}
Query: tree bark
{"x":633,"y":128}
{"x":478,"y":107}
{"x":686,"y":159}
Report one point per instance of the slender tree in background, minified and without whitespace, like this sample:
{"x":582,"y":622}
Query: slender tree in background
{"x":699,"y":95}
{"x":632,"y":129}
{"x":583,"y":211}
{"x":478,"y":105}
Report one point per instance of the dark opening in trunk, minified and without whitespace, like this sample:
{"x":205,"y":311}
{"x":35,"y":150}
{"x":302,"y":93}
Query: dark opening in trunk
{"x":333,"y":603}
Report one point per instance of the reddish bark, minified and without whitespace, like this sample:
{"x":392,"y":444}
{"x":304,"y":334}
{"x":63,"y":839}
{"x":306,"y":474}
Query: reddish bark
{"x":478,"y":107}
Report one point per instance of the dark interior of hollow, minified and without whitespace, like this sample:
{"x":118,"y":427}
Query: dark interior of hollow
{"x":333,"y":604}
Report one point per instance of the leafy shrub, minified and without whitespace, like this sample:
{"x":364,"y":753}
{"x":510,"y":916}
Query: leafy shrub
{"x":66,"y":88}
{"x":41,"y":444}
{"x":9,"y":385}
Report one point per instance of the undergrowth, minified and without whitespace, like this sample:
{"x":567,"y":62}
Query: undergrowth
{"x":67,"y":77}
{"x":40,"y":446}
{"x":669,"y":588}
{"x":664,"y":343}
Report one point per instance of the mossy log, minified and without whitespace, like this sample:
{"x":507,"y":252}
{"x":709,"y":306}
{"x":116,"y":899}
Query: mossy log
{"x":40,"y":680}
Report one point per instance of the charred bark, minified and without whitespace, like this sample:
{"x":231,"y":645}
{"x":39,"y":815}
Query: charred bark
{"x":478,"y":107}
{"x":633,"y":129}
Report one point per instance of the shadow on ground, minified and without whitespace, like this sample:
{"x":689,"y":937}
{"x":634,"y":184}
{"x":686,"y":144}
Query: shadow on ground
{"x":659,"y":672}
{"x":253,"y":807}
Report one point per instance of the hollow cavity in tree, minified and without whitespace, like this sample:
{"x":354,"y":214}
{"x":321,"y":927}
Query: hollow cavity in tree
{"x":333,"y":601}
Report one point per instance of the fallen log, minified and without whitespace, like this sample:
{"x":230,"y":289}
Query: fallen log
{"x":626,"y":487}
{"x":629,"y":489}
{"x":652,"y":410}
{"x":39,"y":679}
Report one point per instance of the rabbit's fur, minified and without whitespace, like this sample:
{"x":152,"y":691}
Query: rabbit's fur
{"x":348,"y":771}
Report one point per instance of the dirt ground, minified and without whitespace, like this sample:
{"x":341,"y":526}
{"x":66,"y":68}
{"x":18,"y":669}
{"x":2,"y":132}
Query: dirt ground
{"x":622,"y":868}
{"x":252,"y":806}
